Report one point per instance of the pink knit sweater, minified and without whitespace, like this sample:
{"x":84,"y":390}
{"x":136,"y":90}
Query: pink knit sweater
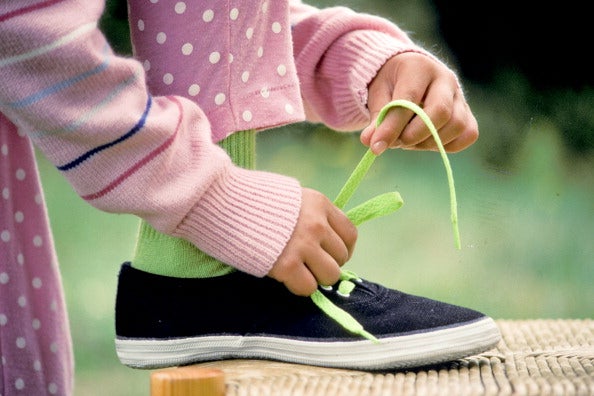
{"x":123,"y":150}
{"x":128,"y":145}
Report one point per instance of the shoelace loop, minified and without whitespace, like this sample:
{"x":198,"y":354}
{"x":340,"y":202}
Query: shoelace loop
{"x":378,"y":206}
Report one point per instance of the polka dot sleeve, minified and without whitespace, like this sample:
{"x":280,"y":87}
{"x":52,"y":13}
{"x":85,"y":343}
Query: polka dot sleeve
{"x":127,"y":150}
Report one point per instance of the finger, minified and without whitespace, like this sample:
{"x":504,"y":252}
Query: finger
{"x":378,"y":97}
{"x":298,"y":278}
{"x":388,"y":133}
{"x":439,"y":105}
{"x":461,"y":143}
{"x":426,"y":140}
{"x":459,"y":132}
{"x":336,"y":248}
{"x":466,"y":139}
{"x":346,"y":232}
{"x":390,"y":129}
{"x":323,"y":267}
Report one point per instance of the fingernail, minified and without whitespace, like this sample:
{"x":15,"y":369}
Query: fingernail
{"x":379,"y":147}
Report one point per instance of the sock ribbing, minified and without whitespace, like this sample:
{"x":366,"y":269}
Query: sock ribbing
{"x":162,"y":254}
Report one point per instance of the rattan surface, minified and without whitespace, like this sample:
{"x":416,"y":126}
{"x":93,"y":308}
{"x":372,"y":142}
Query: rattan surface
{"x":535,"y":357}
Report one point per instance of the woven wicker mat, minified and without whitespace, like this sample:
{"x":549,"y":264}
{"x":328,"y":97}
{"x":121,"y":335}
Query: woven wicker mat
{"x":535,"y":357}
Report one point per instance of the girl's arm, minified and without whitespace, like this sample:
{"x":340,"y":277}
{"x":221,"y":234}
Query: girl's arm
{"x":90,"y":113}
{"x":338,"y":52}
{"x":352,"y":64}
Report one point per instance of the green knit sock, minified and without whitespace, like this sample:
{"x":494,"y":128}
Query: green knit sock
{"x":161,"y":254}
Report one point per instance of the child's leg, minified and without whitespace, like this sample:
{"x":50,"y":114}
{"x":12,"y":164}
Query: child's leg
{"x":165,"y":255}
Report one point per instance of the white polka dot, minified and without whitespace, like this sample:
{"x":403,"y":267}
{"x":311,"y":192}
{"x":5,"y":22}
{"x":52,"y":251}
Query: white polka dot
{"x":140,"y":25}
{"x":265,"y":92}
{"x":21,"y":132}
{"x":289,"y":108}
{"x":38,"y":199}
{"x":52,"y":388}
{"x":36,"y":324}
{"x":281,"y":70}
{"x":5,"y":193}
{"x":249,"y":33}
{"x":37,"y":365}
{"x":187,"y":49}
{"x":146,"y":65}
{"x":20,"y":174}
{"x":154,"y":1}
{"x":260,"y":52}
{"x":21,"y":343}
{"x":54,"y":347}
{"x":245,"y":76}
{"x":265,"y":7}
{"x":54,"y":306}
{"x":37,"y":241}
{"x":247,"y":116}
{"x":180,"y":7}
{"x":220,"y":99}
{"x":194,"y":90}
{"x":161,"y":37}
{"x":36,"y":283}
{"x":167,"y":78}
{"x":5,"y":236}
{"x":22,"y":301}
{"x":20,"y":259}
{"x":4,"y":150}
{"x":231,"y":58}
{"x":214,"y":57}
{"x":3,"y":320}
{"x":208,"y":16}
{"x":276,"y":27}
{"x":19,"y":217}
{"x":19,"y":384}
{"x":234,"y":14}
{"x":4,"y":278}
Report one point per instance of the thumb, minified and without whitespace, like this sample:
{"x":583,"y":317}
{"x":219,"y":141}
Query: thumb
{"x":374,"y":105}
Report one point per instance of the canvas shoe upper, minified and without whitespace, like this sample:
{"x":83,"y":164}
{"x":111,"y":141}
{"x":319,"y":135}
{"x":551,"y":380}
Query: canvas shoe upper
{"x":165,"y":321}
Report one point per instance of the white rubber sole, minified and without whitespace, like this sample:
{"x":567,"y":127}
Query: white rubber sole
{"x":413,"y":350}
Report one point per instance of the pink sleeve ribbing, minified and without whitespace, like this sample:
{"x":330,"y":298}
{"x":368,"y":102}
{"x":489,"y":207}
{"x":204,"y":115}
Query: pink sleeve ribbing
{"x":124,"y":151}
{"x":338,"y":52}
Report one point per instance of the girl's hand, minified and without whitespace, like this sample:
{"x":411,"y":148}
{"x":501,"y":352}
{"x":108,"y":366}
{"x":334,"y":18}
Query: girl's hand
{"x":431,"y":85}
{"x":323,"y":241}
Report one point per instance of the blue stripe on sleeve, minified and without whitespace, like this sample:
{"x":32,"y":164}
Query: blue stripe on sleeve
{"x":98,"y":149}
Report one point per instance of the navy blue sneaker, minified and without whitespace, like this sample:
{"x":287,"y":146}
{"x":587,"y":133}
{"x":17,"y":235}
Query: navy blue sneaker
{"x":163,"y":321}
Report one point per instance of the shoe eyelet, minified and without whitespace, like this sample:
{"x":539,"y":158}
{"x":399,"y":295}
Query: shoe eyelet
{"x":327,"y":288}
{"x":345,"y":295}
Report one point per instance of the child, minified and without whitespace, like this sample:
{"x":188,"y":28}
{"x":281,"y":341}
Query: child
{"x":216,"y":236}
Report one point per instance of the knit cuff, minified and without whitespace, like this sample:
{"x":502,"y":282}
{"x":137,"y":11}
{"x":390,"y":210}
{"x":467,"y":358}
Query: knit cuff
{"x":360,"y":55}
{"x":250,"y":216}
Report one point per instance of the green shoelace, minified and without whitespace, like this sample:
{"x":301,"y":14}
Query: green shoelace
{"x":380,"y":205}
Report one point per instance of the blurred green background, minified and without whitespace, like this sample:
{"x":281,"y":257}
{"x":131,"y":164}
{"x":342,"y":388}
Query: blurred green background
{"x":525,"y":192}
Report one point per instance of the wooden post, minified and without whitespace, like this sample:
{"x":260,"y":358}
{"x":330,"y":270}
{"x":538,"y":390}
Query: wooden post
{"x":188,"y":381}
